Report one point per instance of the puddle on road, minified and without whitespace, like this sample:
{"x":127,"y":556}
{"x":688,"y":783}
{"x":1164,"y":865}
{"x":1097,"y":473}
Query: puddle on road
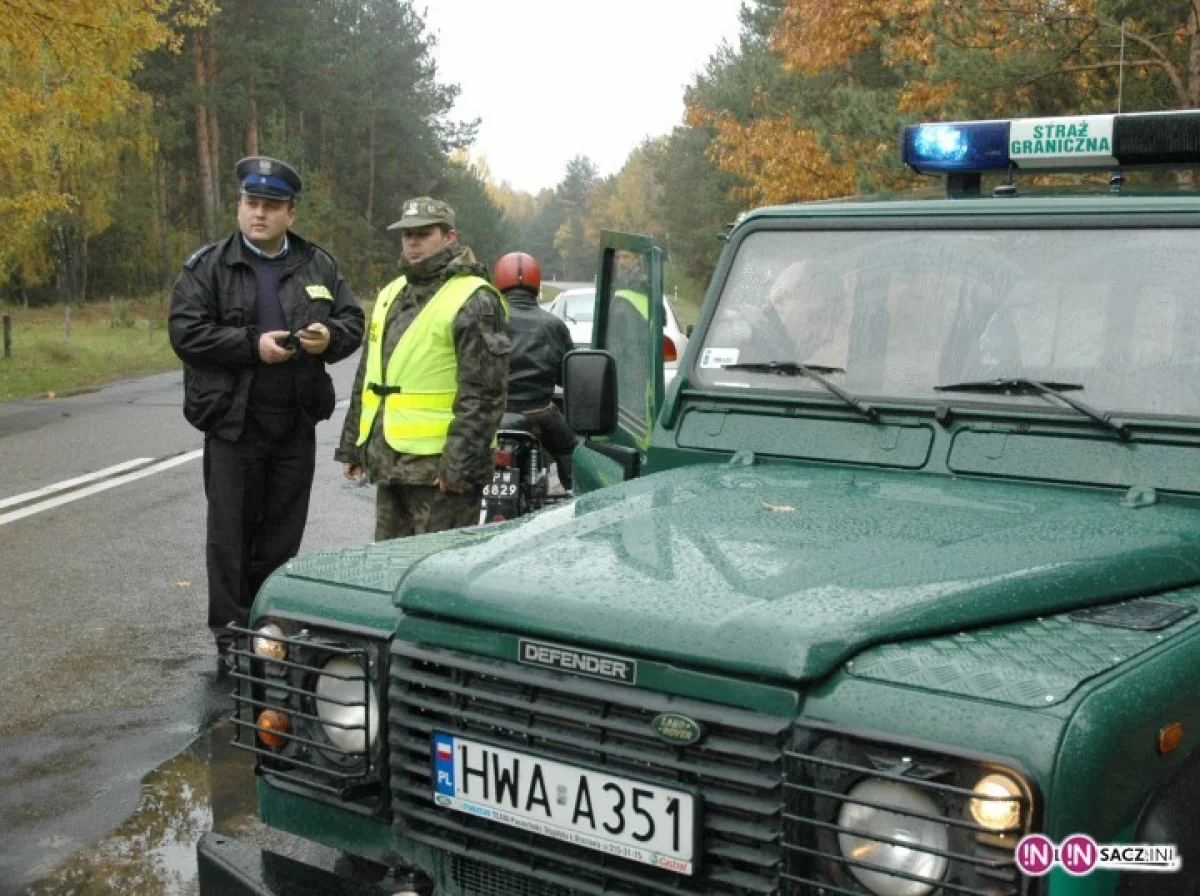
{"x":209,"y":786}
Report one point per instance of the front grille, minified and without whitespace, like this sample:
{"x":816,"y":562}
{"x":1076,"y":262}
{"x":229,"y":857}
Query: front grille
{"x":327,"y":756}
{"x":736,"y":768}
{"x":967,"y":858}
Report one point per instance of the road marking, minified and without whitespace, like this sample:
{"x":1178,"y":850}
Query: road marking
{"x":145,"y":471}
{"x":71,"y":483}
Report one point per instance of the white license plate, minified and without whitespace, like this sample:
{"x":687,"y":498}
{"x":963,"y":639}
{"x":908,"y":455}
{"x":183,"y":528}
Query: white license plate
{"x":503,"y":485}
{"x":620,"y":816}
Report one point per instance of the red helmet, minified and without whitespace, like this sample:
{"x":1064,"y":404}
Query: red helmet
{"x":518,"y":269}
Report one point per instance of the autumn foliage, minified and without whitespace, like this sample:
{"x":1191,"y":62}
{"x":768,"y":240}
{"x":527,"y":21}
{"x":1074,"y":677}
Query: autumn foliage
{"x":847,"y":74}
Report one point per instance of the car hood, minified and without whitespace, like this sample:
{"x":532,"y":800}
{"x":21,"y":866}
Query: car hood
{"x":786,"y":571}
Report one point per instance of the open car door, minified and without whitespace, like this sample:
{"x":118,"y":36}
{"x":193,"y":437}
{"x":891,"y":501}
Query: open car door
{"x":628,"y":327}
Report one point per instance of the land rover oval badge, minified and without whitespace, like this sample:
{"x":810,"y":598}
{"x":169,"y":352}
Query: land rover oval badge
{"x":676,"y":729}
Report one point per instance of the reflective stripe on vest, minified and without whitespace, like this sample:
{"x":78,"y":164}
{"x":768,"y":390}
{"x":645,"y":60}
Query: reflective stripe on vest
{"x":418,"y":390}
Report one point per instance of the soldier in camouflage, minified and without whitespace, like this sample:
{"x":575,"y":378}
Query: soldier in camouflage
{"x":431,"y":383}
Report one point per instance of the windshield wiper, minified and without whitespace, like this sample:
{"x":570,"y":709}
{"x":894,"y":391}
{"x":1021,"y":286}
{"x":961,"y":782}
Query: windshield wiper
{"x":1023,"y":386}
{"x":813,"y":372}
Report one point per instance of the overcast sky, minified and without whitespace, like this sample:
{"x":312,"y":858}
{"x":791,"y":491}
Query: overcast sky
{"x":553,"y":79}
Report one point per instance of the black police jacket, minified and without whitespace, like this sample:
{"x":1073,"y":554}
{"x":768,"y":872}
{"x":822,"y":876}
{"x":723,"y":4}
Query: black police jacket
{"x":539,"y":342}
{"x":213,"y":328}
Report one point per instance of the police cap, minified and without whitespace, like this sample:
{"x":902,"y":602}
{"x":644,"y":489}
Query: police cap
{"x":267,"y":177}
{"x":423,"y":212}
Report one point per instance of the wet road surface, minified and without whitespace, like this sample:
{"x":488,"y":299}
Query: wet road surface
{"x":110,"y":767}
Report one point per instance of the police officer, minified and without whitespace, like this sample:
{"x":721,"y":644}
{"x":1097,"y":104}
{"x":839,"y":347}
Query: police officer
{"x":431,"y":382}
{"x":255,"y":318}
{"x":540,"y":341}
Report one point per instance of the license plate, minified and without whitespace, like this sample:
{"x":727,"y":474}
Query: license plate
{"x":503,"y":485}
{"x":623,"y":817}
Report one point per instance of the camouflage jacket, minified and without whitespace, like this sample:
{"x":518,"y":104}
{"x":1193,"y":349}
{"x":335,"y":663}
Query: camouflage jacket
{"x":481,"y":342}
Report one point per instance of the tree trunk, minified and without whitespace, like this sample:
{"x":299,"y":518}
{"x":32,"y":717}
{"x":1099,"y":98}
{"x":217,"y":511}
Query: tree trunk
{"x":371,"y":167}
{"x":214,"y":132}
{"x":202,"y":142}
{"x":164,"y":254}
{"x":83,"y":270}
{"x":251,"y":12}
{"x":251,"y":121}
{"x":324,"y":132}
{"x":1193,"y":81}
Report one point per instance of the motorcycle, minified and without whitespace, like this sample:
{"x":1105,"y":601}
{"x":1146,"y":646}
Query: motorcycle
{"x":520,"y":482}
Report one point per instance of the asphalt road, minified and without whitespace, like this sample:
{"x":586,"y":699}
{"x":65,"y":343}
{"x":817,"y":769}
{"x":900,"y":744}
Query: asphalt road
{"x":107,"y":670}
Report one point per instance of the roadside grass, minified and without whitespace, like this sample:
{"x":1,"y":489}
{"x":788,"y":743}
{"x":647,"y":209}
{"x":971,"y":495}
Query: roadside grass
{"x":108,"y":341}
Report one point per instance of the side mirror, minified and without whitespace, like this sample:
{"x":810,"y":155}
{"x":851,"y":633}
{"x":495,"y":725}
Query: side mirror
{"x":590,"y":392}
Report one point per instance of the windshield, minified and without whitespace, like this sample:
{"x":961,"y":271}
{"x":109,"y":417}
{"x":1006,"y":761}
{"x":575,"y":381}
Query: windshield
{"x":579,"y":306}
{"x":1116,"y":311}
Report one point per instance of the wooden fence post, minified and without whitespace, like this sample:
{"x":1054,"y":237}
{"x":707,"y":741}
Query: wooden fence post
{"x":7,"y":335}
{"x":67,"y":323}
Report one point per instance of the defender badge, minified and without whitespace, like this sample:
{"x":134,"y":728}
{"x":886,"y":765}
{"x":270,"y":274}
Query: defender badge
{"x":582,"y":662}
{"x":677,"y":730}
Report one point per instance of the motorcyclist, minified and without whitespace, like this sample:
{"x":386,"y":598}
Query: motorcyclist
{"x":539,"y":342}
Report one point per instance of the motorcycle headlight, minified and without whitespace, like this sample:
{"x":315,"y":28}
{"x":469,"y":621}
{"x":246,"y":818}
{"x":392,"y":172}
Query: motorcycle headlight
{"x":347,"y":705}
{"x":895,"y":827}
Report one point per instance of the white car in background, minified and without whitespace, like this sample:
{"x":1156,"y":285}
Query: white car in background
{"x":576,"y":306}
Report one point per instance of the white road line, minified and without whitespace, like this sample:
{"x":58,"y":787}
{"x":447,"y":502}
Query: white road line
{"x":71,"y":483}
{"x":159,"y":467}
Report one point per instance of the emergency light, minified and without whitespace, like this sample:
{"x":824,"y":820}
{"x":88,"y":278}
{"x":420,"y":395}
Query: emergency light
{"x":1066,"y":143}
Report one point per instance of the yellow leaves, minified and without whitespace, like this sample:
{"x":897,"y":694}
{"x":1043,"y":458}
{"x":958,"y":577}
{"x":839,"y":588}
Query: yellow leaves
{"x":65,"y":112}
{"x":818,"y":35}
{"x":778,"y":161}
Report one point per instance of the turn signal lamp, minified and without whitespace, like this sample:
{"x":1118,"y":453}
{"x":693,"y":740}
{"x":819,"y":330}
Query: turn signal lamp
{"x":275,"y":727}
{"x":997,"y":805}
{"x":1065,"y":143}
{"x":670,"y":353}
{"x":1170,"y":737}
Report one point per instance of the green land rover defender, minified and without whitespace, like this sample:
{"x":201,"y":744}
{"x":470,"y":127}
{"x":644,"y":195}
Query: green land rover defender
{"x":893,"y":591}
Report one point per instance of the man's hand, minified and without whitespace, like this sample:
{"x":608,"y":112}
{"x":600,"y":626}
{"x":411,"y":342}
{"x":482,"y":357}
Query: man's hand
{"x":270,"y":351}
{"x":353,"y":472}
{"x":314,"y":338}
{"x":446,"y":489}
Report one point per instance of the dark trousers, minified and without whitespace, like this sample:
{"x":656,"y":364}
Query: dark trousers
{"x":258,"y":491}
{"x":558,"y":438}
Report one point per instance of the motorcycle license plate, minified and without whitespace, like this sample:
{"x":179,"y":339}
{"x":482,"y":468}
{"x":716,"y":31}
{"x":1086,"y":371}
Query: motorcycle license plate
{"x":503,"y":485}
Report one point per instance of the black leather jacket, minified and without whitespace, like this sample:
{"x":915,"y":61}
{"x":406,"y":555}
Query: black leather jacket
{"x":539,"y":342}
{"x":213,"y":327}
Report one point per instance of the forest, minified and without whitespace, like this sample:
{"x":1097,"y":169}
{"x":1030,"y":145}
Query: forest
{"x":121,"y":121}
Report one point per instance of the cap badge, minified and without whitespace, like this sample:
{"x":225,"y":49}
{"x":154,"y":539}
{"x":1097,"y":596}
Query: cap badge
{"x":411,"y":209}
{"x":264,"y":166}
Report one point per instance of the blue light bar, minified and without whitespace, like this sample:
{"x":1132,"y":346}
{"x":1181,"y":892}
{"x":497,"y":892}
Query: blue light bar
{"x":1067,"y":143}
{"x":959,"y":146}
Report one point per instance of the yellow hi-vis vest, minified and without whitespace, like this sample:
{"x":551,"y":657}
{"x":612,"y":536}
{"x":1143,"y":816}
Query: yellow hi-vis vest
{"x":418,"y":391}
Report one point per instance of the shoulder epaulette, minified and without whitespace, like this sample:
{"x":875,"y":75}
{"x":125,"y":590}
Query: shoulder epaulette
{"x":195,"y":257}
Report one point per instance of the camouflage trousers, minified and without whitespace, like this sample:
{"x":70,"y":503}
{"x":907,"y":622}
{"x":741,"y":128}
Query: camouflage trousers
{"x":402,"y":510}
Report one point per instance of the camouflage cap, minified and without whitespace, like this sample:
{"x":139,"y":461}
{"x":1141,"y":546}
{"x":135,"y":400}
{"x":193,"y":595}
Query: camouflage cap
{"x":423,"y":212}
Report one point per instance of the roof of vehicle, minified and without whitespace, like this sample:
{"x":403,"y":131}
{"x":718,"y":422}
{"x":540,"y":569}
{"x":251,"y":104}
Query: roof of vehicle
{"x":1041,"y":204}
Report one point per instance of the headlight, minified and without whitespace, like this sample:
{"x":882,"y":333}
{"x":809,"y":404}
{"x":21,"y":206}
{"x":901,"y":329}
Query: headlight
{"x":1000,"y":806}
{"x":349,"y":724}
{"x":268,"y":643}
{"x":900,"y":827}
